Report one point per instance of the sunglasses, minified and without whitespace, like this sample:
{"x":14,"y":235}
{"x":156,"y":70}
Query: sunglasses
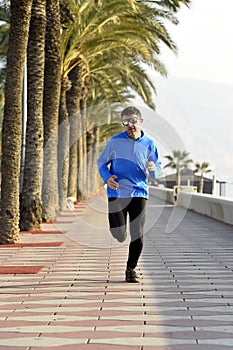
{"x":131,"y":121}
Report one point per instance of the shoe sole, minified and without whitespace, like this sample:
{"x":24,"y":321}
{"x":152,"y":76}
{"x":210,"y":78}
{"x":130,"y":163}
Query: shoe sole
{"x":132,"y":281}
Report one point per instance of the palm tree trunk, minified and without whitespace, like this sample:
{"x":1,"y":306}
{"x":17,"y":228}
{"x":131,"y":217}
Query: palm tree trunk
{"x":52,"y":86}
{"x":94,"y":180}
{"x":31,"y":202}
{"x":73,"y":106}
{"x":98,"y":180}
{"x":12,"y":122}
{"x":80,"y":161}
{"x":178,"y":179}
{"x":83,"y":148}
{"x":63,"y":146}
{"x":82,"y":157}
{"x":90,"y":166}
{"x":201,"y":183}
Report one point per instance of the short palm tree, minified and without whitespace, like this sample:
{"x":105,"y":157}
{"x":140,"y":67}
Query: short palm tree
{"x":178,"y":160}
{"x":202,"y":168}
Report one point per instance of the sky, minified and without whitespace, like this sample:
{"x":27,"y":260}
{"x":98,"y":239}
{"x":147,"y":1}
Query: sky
{"x":204,"y":39}
{"x":197,"y":96}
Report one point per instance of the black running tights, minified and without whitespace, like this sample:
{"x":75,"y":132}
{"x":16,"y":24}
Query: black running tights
{"x":136,"y":208}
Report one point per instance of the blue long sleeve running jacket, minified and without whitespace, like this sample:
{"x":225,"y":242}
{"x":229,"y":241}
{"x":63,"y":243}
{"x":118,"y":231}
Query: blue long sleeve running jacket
{"x":127,"y":159}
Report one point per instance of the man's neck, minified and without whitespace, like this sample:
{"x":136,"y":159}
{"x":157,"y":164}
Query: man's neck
{"x":136,"y":136}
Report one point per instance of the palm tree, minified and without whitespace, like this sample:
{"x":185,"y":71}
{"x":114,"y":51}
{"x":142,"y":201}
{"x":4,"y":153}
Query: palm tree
{"x":2,"y":83}
{"x":63,"y":145}
{"x":4,"y":38}
{"x":4,"y":29}
{"x":12,"y":122}
{"x":107,"y":35}
{"x":73,"y":107}
{"x":102,"y":123}
{"x":172,"y":5}
{"x":139,"y":13}
{"x":202,"y":168}
{"x":178,"y":161}
{"x":52,"y":87}
{"x":31,"y":201}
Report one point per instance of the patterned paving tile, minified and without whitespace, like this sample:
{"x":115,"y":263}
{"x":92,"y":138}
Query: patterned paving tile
{"x":97,"y":323}
{"x":24,"y":269}
{"x":41,"y":341}
{"x":39,"y":232}
{"x":13,"y":347}
{"x":23,"y":245}
{"x":218,"y":342}
{"x":51,"y":318}
{"x":44,"y":329}
{"x":80,"y":300}
{"x":141,"y":341}
{"x":189,"y":347}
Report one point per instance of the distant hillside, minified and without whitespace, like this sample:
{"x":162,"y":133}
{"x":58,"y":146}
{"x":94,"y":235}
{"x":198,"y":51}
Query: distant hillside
{"x":202,"y":114}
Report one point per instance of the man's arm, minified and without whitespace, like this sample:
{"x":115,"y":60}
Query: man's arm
{"x":154,"y":163}
{"x":103,"y":161}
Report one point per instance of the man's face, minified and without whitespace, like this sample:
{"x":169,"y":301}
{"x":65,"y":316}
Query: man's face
{"x":132,"y":125}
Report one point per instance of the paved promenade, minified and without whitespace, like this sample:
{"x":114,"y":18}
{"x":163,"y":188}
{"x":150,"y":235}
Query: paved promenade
{"x":64,"y":289}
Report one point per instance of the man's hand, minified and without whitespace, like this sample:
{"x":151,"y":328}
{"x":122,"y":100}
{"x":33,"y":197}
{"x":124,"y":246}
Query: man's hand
{"x":112,"y":183}
{"x":150,"y":166}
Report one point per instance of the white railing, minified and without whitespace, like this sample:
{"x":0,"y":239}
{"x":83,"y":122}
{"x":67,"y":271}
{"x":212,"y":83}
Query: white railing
{"x":218,"y":208}
{"x":166,"y":194}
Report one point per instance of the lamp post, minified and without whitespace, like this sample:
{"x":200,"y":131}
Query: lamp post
{"x":221,"y":187}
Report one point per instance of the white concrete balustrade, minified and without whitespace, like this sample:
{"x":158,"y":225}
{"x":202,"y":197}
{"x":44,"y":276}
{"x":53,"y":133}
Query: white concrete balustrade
{"x":218,"y":208}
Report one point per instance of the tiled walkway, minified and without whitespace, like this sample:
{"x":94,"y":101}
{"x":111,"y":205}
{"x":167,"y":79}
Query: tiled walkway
{"x":79,"y":299}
